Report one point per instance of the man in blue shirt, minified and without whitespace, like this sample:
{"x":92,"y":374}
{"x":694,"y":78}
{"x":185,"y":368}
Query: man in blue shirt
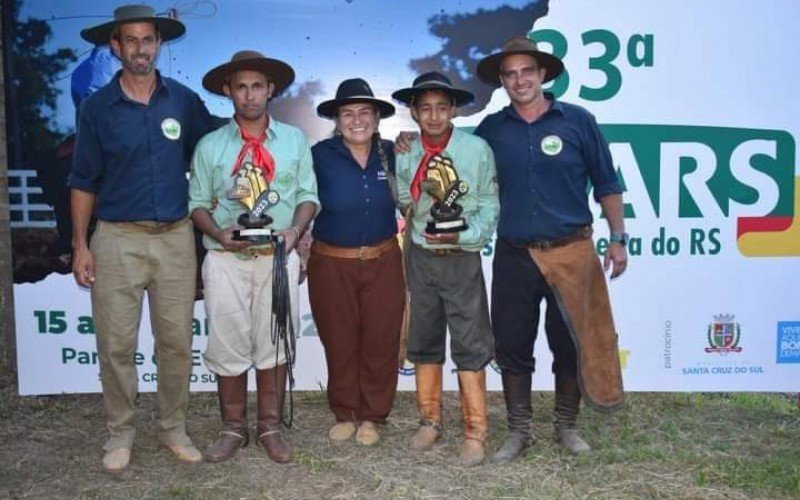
{"x":135,"y":138}
{"x":547,"y":152}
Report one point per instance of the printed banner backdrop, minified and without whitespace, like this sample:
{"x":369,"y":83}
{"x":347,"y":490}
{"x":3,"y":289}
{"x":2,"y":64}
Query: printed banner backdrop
{"x":696,"y":99}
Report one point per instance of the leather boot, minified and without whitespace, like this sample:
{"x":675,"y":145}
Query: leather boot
{"x":472,"y":386}
{"x":565,"y":414}
{"x":232,"y":393}
{"x":517,"y":392}
{"x":271,"y":391}
{"x":429,"y":403}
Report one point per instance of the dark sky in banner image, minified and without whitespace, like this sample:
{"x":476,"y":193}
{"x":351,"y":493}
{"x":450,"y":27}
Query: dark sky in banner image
{"x":388,"y":43}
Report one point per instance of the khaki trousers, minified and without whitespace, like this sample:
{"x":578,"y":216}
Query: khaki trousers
{"x":131,"y":257}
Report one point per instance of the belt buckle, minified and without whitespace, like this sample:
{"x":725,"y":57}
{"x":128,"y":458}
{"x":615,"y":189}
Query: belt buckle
{"x":440,"y":252}
{"x":362,"y":253}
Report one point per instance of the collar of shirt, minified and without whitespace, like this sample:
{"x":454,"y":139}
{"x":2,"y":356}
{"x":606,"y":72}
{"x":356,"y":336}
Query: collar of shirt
{"x":233,"y":130}
{"x":162,"y":85}
{"x":341,"y":148}
{"x":555,"y":107}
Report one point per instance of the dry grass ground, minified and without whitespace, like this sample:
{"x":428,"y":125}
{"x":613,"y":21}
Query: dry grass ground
{"x":658,"y":446}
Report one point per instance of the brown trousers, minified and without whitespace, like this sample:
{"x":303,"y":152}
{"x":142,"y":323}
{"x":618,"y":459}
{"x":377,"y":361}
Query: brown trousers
{"x":578,"y":282}
{"x":358,"y":308}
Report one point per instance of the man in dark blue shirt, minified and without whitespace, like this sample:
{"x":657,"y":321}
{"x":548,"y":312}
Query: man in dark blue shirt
{"x":135,"y":139}
{"x":547,"y":152}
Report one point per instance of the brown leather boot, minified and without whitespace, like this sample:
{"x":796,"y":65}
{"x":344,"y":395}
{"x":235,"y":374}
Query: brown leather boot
{"x":271,"y":385}
{"x":565,"y":414}
{"x":232,"y":393}
{"x":517,"y":392}
{"x":429,"y":403}
{"x":472,"y":386}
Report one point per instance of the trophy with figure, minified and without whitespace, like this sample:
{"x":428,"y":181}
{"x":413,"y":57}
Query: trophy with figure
{"x":252,"y":190}
{"x":443,"y":184}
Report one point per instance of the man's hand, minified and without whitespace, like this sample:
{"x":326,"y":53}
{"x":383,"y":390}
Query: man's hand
{"x":618,"y":255}
{"x":290,"y":237}
{"x":83,"y":267}
{"x":404,"y":140}
{"x":225,"y":238}
{"x":441,"y":238}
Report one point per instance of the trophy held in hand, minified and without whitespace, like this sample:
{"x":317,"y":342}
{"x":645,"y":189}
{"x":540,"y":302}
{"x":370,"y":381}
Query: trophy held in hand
{"x":443,"y":184}
{"x":252,"y":190}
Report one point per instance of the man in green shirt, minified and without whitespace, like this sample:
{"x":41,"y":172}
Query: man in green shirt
{"x":238,"y":274}
{"x":444,"y":273}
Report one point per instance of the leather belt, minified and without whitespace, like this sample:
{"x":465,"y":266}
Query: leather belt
{"x":150,"y":226}
{"x":250,"y":252}
{"x":440,"y":252}
{"x":361,"y":253}
{"x":581,"y":233}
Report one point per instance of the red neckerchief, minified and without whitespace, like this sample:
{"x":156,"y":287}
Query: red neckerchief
{"x":431,"y":150}
{"x":260,"y":157}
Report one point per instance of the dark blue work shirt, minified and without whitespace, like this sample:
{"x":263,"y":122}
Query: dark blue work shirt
{"x":357,"y":206}
{"x":543,"y":170}
{"x":135,"y":157}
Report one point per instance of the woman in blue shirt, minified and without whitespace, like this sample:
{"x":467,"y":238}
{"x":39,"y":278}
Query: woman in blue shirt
{"x":355,"y":277}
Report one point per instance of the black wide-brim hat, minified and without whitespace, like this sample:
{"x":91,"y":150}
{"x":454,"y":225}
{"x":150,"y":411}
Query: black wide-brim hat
{"x":352,"y":91}
{"x":489,"y":67}
{"x":278,"y":72}
{"x":168,"y":28}
{"x":433,"y":81}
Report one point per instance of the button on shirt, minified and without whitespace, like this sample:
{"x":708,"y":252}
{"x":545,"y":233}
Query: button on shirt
{"x":544,"y":169}
{"x":357,"y":206}
{"x":474,"y":163}
{"x":212,"y":179}
{"x":134,"y":156}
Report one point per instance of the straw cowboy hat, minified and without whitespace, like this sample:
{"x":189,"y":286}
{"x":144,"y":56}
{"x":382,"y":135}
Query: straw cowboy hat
{"x":433,"y":81}
{"x":277,"y":71}
{"x":489,"y":67}
{"x":168,"y":28}
{"x":351,"y":91}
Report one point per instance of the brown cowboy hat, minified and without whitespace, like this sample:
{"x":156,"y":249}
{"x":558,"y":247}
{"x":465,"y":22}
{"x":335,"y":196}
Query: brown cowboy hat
{"x":277,"y":71}
{"x":433,"y":80}
{"x":351,"y":91}
{"x":489,"y":67}
{"x":168,"y":28}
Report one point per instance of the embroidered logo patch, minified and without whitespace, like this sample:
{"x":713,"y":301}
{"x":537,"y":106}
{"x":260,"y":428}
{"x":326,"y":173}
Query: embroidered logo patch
{"x":171,"y":128}
{"x":552,"y":145}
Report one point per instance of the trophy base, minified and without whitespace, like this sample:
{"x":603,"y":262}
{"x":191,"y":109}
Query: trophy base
{"x":256,"y":236}
{"x":445,"y":226}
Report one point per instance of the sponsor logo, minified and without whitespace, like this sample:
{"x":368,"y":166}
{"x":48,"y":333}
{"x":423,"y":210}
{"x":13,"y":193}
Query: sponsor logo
{"x":171,"y":128}
{"x":552,"y":145}
{"x":723,"y":335}
{"x":788,"y":342}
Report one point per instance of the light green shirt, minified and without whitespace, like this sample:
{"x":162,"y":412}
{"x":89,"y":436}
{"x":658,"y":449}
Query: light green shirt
{"x":212,"y":166}
{"x":474,"y":162}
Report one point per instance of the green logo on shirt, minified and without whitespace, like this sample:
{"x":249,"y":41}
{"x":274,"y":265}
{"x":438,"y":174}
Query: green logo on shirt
{"x":171,"y":129}
{"x":552,"y":145}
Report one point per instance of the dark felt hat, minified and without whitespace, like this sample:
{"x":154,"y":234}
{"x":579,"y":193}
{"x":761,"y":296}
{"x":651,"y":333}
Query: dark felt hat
{"x":277,"y":71}
{"x":489,"y":67}
{"x":169,"y":28}
{"x":433,"y":81}
{"x":351,"y":91}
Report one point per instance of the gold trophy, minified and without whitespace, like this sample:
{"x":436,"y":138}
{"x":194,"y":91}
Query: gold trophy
{"x":252,"y":190}
{"x":443,"y":184}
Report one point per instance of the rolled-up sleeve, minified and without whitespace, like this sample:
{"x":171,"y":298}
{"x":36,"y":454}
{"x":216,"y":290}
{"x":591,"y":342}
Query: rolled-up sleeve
{"x":87,"y":162}
{"x":598,"y":158}
{"x":306,"y":179}
{"x":483,"y":223}
{"x":200,"y":181}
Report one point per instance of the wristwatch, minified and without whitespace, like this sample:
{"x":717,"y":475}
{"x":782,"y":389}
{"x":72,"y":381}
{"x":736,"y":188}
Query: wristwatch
{"x":621,"y":238}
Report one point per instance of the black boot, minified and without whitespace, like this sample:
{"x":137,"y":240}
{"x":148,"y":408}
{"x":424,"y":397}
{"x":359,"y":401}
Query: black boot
{"x":517,"y":391}
{"x":565,"y":414}
{"x":271,"y":386}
